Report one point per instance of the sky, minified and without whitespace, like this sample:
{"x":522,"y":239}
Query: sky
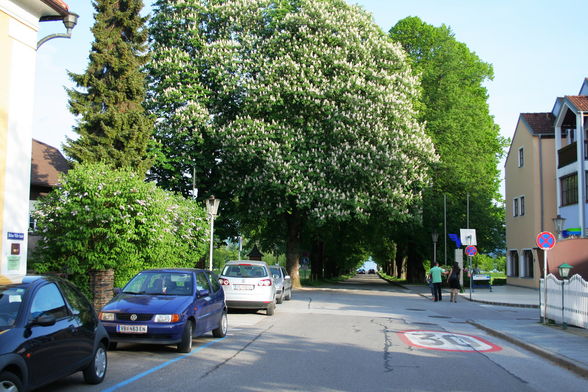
{"x":537,"y":48}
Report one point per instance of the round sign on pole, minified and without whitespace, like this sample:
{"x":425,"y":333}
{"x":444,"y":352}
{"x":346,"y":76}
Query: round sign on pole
{"x":545,"y":240}
{"x":471,"y":250}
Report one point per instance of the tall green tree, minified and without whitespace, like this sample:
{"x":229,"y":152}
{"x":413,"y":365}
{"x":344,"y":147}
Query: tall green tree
{"x":456,"y":113}
{"x":113,"y":126}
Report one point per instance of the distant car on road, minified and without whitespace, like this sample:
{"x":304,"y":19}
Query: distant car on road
{"x":372,"y":271}
{"x":48,"y":330}
{"x":249,"y":284}
{"x":283,"y":283}
{"x":361,"y":271}
{"x":167,"y":306}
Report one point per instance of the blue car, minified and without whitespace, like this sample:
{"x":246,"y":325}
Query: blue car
{"x":166,"y":306}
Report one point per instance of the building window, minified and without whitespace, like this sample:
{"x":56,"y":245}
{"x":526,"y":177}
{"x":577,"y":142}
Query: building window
{"x":528,"y":257}
{"x":513,"y":264}
{"x":521,"y":157}
{"x":522,"y":205}
{"x":515,"y":207}
{"x":569,"y":189}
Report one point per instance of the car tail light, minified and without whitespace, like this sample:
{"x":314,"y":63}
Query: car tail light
{"x":265,"y":282}
{"x":224,"y":282}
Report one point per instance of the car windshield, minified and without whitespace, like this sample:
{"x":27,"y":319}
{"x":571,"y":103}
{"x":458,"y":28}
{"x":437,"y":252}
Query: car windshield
{"x":11,"y":298}
{"x":245,"y":271}
{"x":161,"y":283}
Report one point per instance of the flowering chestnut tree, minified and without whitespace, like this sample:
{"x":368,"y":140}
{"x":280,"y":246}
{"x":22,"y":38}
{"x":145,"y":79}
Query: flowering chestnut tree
{"x":313,"y":112}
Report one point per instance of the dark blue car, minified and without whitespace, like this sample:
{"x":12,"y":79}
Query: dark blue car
{"x":167,"y":306}
{"x":48,"y":330}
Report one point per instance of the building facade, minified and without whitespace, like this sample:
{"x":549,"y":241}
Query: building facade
{"x":19,"y":24}
{"x":530,"y":196}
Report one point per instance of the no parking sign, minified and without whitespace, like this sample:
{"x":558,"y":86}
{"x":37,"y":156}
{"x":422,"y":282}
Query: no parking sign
{"x":545,"y":240}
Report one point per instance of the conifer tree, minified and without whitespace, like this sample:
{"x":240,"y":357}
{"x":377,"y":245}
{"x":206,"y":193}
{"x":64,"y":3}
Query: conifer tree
{"x":113,"y":126}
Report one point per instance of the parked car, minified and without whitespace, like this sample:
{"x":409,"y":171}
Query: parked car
{"x":372,"y":271}
{"x":283,"y":283}
{"x":167,"y":306}
{"x":361,"y":271}
{"x":48,"y":330}
{"x":249,"y":285}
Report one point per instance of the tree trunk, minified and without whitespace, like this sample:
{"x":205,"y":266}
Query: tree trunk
{"x":294,"y":224}
{"x":317,"y":259}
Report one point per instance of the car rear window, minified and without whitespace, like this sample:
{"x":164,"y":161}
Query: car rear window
{"x":10,"y":302}
{"x":276,"y":271}
{"x":245,"y":271}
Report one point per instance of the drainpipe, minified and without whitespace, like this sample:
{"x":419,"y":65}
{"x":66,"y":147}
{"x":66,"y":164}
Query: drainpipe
{"x":582,"y":173}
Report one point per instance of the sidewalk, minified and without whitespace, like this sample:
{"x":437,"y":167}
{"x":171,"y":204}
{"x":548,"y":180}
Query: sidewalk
{"x":567,"y":348}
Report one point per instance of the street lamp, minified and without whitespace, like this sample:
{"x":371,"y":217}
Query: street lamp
{"x":435,"y":237}
{"x":69,"y":21}
{"x":564,"y":272}
{"x":559,"y":221}
{"x":212,"y":209}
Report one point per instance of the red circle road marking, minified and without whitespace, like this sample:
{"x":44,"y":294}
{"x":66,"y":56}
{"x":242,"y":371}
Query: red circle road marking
{"x":447,"y":341}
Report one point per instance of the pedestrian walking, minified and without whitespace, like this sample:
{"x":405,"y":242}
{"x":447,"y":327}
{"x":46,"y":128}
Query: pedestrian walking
{"x":453,"y":281}
{"x":436,"y":272}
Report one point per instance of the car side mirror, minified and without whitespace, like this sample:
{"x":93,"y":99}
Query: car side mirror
{"x":44,"y":320}
{"x":203,"y":293}
{"x":117,"y":290}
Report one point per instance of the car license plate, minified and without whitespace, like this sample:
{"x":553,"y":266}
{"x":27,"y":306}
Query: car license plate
{"x":131,"y":328}
{"x":244,"y":287}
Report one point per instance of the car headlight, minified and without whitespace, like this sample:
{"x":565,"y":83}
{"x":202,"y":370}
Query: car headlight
{"x":104,"y":316}
{"x":166,"y":318}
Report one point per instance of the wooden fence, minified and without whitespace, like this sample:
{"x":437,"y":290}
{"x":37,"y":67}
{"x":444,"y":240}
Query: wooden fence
{"x":567,"y":300}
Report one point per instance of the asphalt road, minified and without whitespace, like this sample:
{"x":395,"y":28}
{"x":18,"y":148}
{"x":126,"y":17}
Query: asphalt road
{"x":363,"y":335}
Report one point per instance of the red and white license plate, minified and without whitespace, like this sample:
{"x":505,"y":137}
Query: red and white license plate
{"x":131,"y":328}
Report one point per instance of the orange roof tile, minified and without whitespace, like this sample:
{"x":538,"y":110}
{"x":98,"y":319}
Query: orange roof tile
{"x":579,"y":101}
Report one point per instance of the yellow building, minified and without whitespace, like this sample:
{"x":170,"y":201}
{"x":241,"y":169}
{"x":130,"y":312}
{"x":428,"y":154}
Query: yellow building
{"x":530,"y":196}
{"x":19,"y":24}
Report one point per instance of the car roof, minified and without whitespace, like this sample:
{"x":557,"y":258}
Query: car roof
{"x":252,"y":262}
{"x":175,"y":270}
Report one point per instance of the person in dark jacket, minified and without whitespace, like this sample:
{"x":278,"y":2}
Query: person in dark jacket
{"x":453,"y":281}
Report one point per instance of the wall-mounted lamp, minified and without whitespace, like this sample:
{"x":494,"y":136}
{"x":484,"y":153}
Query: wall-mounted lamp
{"x":69,"y":21}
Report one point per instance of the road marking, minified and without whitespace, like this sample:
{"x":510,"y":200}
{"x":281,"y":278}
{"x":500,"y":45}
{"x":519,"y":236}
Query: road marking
{"x":156,"y":368}
{"x":447,"y":341}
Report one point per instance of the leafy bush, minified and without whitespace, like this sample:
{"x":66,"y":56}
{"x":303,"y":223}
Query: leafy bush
{"x":100,"y":218}
{"x":498,"y":281}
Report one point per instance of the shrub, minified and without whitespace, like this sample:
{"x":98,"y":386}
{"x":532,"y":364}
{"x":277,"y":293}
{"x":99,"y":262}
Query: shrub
{"x":101,"y":218}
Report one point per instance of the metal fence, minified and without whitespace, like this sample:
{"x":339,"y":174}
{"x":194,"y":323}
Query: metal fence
{"x":567,"y":300}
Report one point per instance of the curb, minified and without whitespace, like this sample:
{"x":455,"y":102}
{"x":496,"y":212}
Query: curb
{"x":556,"y":359}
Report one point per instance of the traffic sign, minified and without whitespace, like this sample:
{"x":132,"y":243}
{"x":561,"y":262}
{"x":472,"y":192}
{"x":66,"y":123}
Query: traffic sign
{"x":471,"y":250}
{"x":447,"y":341}
{"x":545,"y":240}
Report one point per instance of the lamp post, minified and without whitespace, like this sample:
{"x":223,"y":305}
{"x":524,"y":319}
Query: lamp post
{"x":559,"y":221}
{"x":564,"y":272}
{"x":212,"y":209}
{"x":435,"y":237}
{"x":69,"y":21}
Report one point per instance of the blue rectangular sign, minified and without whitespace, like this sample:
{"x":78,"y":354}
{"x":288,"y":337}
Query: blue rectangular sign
{"x":16,"y":236}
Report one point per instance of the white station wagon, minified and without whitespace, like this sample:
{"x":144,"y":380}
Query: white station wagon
{"x":249,"y":284}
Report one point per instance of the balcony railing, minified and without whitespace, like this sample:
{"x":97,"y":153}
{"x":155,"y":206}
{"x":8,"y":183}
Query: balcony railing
{"x":567,"y":155}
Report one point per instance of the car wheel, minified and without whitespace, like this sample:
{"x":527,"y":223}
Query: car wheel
{"x":271,"y":309}
{"x":10,"y":382}
{"x":96,"y":370}
{"x":185,"y":345}
{"x":223,"y":326}
{"x":280,"y":299}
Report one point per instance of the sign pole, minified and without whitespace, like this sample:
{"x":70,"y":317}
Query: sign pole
{"x":471,"y":276}
{"x":546,"y":251}
{"x":545,"y":240}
